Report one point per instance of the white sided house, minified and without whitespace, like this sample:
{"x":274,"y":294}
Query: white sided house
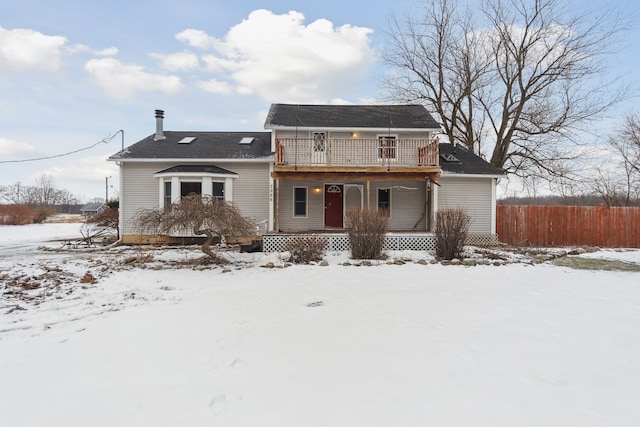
{"x":313,"y":164}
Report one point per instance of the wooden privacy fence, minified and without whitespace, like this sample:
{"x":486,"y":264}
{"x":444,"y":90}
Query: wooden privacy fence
{"x":569,"y":225}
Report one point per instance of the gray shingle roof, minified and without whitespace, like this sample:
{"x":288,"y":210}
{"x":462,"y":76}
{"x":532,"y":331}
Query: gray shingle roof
{"x":198,"y":169}
{"x":206,"y":145}
{"x":350,"y":116}
{"x":90,"y":207}
{"x":467,"y":162}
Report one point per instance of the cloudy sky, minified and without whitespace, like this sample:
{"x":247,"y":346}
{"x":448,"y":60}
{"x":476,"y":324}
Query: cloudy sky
{"x":74,"y":72}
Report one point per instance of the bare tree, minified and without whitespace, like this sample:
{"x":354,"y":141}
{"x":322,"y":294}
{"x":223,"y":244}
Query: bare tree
{"x":14,"y":194}
{"x":44,"y":192}
{"x":513,"y":81}
{"x":627,"y":142}
{"x":618,"y":181}
{"x":199,"y":214}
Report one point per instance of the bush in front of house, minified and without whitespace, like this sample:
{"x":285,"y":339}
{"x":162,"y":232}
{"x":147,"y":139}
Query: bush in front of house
{"x":200,"y":215}
{"x":108,"y":217}
{"x":452,"y":227}
{"x":305,"y":249}
{"x":16,"y":215}
{"x":367,"y":229}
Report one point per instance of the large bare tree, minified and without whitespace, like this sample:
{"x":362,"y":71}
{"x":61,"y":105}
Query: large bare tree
{"x":513,"y":80}
{"x":627,"y":142}
{"x":618,"y":178}
{"x":198,"y":214}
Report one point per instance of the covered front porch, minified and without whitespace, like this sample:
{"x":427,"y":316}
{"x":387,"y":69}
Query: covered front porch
{"x":320,"y":201}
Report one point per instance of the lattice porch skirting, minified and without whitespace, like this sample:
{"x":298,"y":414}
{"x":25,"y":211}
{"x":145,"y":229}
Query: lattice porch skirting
{"x":393,"y":241}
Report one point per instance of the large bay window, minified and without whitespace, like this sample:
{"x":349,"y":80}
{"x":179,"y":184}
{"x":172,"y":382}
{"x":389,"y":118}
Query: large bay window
{"x":180,"y":181}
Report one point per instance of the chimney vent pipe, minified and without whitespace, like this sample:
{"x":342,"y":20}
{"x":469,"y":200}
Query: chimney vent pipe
{"x":159,"y":126}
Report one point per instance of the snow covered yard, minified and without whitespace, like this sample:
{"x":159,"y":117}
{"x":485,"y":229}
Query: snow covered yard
{"x":151,"y":342}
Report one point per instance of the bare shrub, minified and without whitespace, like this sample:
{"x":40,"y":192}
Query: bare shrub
{"x":109,"y":217}
{"x":452,"y":227}
{"x":367,"y":229}
{"x":201,"y":215}
{"x":305,"y":249}
{"x":43,"y":212}
{"x":16,"y":215}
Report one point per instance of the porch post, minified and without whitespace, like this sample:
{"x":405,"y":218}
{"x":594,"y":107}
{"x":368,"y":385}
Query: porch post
{"x":430,"y":195}
{"x":434,"y":205}
{"x":368,"y":195}
{"x":277,"y":207}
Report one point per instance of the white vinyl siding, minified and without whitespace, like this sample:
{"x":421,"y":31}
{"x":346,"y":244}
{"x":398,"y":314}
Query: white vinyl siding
{"x":408,"y":204}
{"x":250,"y":189}
{"x":474,"y":195}
{"x":315,"y":206}
{"x":141,"y":190}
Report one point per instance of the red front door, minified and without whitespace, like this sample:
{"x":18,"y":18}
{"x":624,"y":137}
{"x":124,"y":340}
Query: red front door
{"x":333,"y":205}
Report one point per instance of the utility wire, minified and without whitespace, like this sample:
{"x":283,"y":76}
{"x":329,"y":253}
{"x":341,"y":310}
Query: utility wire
{"x":105,"y":140}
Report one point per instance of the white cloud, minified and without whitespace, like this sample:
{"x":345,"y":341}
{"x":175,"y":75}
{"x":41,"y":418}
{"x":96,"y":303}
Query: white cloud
{"x":197,"y":38}
{"x":83,"y":48}
{"x":92,"y":170}
{"x":110,"y":51}
{"x":122,"y":81}
{"x":279,"y":57}
{"x":26,"y":50}
{"x":215,"y":86}
{"x":15,"y":150}
{"x":181,"y":61}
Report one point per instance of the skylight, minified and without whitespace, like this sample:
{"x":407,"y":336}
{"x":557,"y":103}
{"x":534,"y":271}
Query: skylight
{"x":247,"y":140}
{"x":187,"y":140}
{"x":449,"y":158}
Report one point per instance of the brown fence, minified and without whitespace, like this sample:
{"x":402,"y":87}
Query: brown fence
{"x":569,"y":225}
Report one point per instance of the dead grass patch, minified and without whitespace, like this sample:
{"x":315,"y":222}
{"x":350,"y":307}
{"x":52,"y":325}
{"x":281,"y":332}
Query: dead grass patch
{"x":597,"y":264}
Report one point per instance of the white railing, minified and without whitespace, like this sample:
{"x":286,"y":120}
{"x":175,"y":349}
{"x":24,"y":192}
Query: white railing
{"x":356,"y":152}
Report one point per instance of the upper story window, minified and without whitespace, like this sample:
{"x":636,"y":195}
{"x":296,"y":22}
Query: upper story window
{"x":387,"y":146}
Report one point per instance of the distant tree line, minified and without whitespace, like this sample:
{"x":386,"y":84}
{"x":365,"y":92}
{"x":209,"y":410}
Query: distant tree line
{"x":579,"y":200}
{"x":22,"y":204}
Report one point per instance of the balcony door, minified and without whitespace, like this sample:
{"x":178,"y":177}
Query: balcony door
{"x":333,"y":205}
{"x":319,"y":148}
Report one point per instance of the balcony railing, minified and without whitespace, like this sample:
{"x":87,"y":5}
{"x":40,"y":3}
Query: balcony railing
{"x":357,"y":153}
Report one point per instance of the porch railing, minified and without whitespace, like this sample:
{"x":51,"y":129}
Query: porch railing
{"x":357,"y":152}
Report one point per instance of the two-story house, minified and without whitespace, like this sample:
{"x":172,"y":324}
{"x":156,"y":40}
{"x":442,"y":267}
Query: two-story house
{"x":314,"y":164}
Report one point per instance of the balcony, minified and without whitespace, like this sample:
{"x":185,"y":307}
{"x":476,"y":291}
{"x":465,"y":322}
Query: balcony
{"x":356,"y":155}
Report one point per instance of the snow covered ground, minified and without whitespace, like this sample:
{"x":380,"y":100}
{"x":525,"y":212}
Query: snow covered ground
{"x":149,"y":339}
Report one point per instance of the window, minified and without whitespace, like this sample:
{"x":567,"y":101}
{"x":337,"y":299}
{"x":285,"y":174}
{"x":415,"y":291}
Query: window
{"x":187,"y":188}
{"x":387,"y":147}
{"x":300,"y":201}
{"x":319,"y":141}
{"x":182,"y":180}
{"x":384,"y":200}
{"x":218,"y":190}
{"x":167,"y":193}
